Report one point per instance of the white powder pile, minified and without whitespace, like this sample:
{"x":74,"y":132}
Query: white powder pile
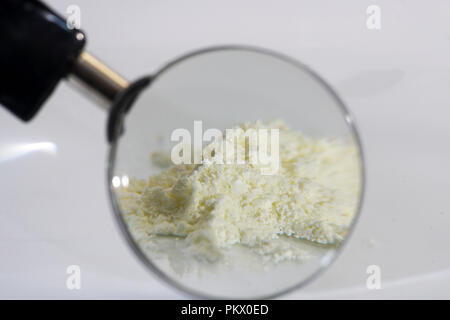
{"x":213,"y":207}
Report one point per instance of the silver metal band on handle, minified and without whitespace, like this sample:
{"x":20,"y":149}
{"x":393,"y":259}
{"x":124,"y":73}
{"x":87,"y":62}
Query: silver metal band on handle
{"x":96,"y":80}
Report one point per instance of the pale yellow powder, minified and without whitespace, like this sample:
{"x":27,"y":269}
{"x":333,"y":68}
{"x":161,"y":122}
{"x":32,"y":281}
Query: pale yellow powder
{"x":313,"y":196}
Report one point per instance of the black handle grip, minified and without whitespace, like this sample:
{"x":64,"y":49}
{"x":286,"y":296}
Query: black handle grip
{"x":37,"y":49}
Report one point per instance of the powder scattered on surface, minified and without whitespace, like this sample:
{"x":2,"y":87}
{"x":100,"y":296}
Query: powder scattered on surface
{"x":213,"y":207}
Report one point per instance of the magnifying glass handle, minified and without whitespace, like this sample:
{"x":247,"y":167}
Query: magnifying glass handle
{"x":37,"y":50}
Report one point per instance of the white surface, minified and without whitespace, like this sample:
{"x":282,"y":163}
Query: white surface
{"x":396,"y":81}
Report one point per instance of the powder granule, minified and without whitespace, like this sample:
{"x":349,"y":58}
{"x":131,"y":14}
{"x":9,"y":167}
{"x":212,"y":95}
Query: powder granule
{"x":313,"y":196}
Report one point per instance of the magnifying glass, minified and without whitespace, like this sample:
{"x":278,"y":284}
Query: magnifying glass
{"x":211,"y":227}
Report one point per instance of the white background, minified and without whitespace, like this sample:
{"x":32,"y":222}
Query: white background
{"x":396,"y":81}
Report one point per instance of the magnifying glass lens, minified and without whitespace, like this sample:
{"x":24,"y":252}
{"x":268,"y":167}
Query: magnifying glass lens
{"x":251,"y":213}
